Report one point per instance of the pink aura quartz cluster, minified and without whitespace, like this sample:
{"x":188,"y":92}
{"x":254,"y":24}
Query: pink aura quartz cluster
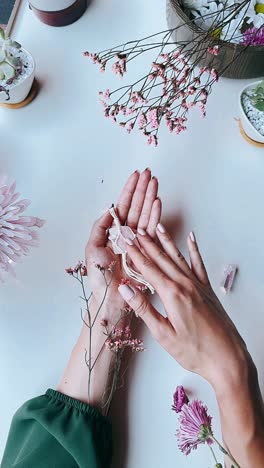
{"x":172,"y":87}
{"x":17,"y":232}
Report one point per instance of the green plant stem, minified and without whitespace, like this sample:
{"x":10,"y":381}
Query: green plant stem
{"x":226,"y":452}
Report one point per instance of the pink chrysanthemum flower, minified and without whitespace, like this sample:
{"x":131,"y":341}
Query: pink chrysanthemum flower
{"x":195,"y":427}
{"x":253,"y":37}
{"x":17,"y":232}
{"x":179,"y":399}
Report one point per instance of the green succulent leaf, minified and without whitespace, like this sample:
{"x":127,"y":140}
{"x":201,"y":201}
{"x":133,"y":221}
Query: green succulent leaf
{"x":14,"y":44}
{"x":2,"y":55}
{"x":260,"y":106}
{"x":2,"y":34}
{"x":8,"y":70}
{"x":13,"y":61}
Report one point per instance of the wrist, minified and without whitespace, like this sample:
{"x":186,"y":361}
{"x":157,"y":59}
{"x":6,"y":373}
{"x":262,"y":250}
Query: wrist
{"x":108,"y":309}
{"x":240,"y":401}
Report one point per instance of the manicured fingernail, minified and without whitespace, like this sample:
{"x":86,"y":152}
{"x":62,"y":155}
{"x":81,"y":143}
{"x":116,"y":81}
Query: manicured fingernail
{"x":136,"y":171}
{"x":129,"y":241}
{"x":161,"y":228}
{"x":141,"y":232}
{"x":154,"y":177}
{"x":192,"y":236}
{"x":126,"y":292}
{"x":148,"y":169}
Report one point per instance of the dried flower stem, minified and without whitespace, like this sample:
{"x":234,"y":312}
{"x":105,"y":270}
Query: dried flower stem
{"x":116,"y":340}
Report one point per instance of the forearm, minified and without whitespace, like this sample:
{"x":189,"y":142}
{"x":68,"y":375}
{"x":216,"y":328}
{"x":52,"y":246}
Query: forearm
{"x":242,"y":416}
{"x":91,"y":342}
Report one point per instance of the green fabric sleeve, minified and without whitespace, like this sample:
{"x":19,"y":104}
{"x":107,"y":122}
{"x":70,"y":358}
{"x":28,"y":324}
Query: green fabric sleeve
{"x":57,"y":431}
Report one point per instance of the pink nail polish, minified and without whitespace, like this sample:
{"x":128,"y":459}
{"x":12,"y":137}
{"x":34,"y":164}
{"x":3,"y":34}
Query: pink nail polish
{"x":161,"y":228}
{"x":142,"y":232}
{"x":192,"y":236}
{"x":126,"y":292}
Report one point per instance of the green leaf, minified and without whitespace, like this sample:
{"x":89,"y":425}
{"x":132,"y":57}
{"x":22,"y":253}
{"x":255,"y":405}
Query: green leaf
{"x":2,"y":75}
{"x":223,"y":450}
{"x":2,"y":56}
{"x":14,"y":44}
{"x":260,"y":106}
{"x":13,"y":61}
{"x":8,"y":70}
{"x":2,"y":34}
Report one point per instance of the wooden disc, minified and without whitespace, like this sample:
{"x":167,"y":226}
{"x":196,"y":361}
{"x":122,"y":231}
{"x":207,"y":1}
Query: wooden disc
{"x":247,"y":138}
{"x":32,"y":94}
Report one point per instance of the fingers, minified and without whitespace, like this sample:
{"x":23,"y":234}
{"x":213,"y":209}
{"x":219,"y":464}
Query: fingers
{"x":171,"y":249}
{"x":138,"y":199}
{"x":197,"y":264}
{"x":150,"y":197}
{"x":125,"y":199}
{"x":159,"y":257}
{"x":149,"y":270}
{"x":154,"y":218}
{"x":157,"y":324}
{"x":99,"y":235}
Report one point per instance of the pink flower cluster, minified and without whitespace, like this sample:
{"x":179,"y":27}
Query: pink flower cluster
{"x":195,"y":423}
{"x":80,"y":268}
{"x":17,"y":232}
{"x":170,"y":89}
{"x":213,"y":50}
{"x":120,"y":339}
{"x":253,"y":37}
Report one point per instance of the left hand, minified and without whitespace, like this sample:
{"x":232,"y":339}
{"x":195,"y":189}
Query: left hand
{"x":137,"y":207}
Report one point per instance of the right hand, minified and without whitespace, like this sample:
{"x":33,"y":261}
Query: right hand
{"x":197,"y":331}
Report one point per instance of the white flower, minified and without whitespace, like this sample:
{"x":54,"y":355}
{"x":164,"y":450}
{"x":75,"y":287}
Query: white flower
{"x":231,"y":32}
{"x":255,"y":13}
{"x":195,"y":4}
{"x":209,"y":16}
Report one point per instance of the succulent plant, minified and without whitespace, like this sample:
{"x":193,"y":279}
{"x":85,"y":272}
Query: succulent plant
{"x":9,"y":57}
{"x":257,"y":96}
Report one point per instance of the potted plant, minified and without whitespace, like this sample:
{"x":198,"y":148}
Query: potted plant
{"x":251,"y":103}
{"x":58,"y":12}
{"x":236,"y":28}
{"x":17,"y":69}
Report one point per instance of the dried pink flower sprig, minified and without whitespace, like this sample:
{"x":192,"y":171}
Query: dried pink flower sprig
{"x":17,"y":232}
{"x":195,"y":426}
{"x":79,"y":268}
{"x":174,"y":84}
{"x":172,"y":87}
{"x":122,"y":338}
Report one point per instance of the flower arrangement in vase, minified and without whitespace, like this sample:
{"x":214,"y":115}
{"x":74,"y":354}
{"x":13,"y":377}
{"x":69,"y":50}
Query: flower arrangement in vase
{"x":17,"y":70}
{"x":187,"y":62}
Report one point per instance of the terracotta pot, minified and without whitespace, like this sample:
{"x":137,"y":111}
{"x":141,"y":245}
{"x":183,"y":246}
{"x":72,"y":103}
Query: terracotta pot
{"x":58,"y":12}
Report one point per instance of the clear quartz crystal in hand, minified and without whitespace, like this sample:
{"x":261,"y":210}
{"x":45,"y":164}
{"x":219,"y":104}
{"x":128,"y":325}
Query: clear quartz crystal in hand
{"x":118,"y":238}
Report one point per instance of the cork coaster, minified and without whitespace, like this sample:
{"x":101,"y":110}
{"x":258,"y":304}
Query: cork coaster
{"x":247,"y":138}
{"x":32,"y":94}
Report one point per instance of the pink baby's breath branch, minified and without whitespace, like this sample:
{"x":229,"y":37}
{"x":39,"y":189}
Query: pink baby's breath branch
{"x":173,"y":85}
{"x":116,"y":338}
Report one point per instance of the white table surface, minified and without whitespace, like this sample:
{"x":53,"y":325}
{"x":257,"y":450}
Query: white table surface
{"x":59,"y":149}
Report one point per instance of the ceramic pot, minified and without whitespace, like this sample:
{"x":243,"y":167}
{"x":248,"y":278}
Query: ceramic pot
{"x":248,"y":127}
{"x":20,"y":88}
{"x":58,"y":12}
